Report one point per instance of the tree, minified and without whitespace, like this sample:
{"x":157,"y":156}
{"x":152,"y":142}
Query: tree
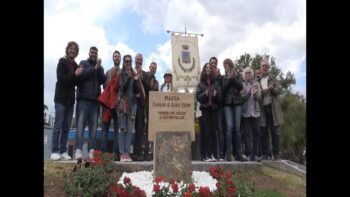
{"x":254,"y":62}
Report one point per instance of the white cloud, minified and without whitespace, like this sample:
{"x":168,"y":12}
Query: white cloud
{"x":230,"y":28}
{"x":81,"y":21}
{"x":163,"y":58}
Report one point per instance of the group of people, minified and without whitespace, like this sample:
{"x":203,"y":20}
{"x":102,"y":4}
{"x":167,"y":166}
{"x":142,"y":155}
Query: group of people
{"x":227,"y":99}
{"x":124,"y":100}
{"x":224,"y":101}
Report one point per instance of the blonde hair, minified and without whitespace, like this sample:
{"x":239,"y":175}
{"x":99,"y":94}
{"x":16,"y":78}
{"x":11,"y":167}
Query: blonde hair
{"x":248,"y":69}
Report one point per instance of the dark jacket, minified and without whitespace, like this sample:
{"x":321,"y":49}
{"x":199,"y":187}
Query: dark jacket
{"x":128,"y":88}
{"x":66,"y":81}
{"x":146,"y":87}
{"x":231,"y":89}
{"x":220,"y":80}
{"x":90,"y":81}
{"x":203,"y":99}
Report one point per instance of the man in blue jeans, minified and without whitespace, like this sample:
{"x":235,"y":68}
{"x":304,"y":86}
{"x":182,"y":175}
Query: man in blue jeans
{"x":67,"y":73}
{"x":272,"y":116}
{"x":115,"y":70}
{"x":88,"y":108}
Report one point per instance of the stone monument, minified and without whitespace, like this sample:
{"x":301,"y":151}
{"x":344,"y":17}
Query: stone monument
{"x":171,"y":127}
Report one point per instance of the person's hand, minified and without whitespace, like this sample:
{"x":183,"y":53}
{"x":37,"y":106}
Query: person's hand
{"x":232,"y":75}
{"x":79,"y":71}
{"x":136,"y":77}
{"x":98,"y":63}
{"x":253,"y":90}
{"x":207,"y":92}
{"x":270,"y":87}
{"x":214,"y":92}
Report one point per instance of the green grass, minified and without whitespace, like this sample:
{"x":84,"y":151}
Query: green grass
{"x":269,"y":193}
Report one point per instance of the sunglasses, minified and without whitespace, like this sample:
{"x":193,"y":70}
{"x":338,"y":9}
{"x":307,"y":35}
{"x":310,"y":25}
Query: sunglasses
{"x":127,"y":61}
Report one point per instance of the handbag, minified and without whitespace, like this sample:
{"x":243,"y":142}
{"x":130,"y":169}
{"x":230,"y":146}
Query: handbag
{"x":122,"y":104}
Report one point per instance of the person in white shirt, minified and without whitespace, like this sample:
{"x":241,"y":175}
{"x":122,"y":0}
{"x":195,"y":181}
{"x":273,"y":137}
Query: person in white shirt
{"x":167,"y":86}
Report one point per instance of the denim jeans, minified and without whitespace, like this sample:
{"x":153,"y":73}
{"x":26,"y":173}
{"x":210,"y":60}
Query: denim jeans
{"x":87,"y":112}
{"x":233,"y":124}
{"x":221,"y":132}
{"x":63,"y":120}
{"x":105,"y":131}
{"x":252,"y":136}
{"x":275,"y":133}
{"x":126,"y":128}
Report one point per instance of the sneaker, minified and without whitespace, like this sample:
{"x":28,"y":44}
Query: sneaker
{"x":65,"y":156}
{"x":207,"y":159}
{"x":127,"y":157}
{"x":265,"y":157}
{"x":276,"y":157}
{"x":221,"y":160}
{"x":55,"y":156}
{"x":78,"y":154}
{"x":213,"y":159}
{"x":91,"y":153}
{"x":123,"y":158}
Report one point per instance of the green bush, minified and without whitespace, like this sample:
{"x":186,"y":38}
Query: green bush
{"x":88,"y":182}
{"x":91,"y":178}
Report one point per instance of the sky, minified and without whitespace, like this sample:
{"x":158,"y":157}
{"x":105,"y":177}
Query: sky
{"x":230,"y":27}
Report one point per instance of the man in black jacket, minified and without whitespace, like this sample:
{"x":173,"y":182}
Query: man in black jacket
{"x":67,"y":73}
{"x":88,"y":108}
{"x":141,"y":145}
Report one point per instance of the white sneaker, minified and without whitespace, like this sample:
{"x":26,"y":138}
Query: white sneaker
{"x":78,"y":154}
{"x":91,"y":153}
{"x":213,"y":159}
{"x":55,"y":156}
{"x":65,"y":156}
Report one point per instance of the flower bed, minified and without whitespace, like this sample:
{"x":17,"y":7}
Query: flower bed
{"x":91,"y":178}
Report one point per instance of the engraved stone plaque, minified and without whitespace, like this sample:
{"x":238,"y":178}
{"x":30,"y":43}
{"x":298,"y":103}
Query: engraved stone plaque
{"x":172,"y":155}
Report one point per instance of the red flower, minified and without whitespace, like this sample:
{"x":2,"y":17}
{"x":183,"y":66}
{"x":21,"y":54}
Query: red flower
{"x":191,"y":187}
{"x":159,"y":179}
{"x":231,"y":189}
{"x":171,"y":181}
{"x":204,"y":191}
{"x":188,"y":194}
{"x":127,"y":180}
{"x":156,"y":188}
{"x":175,"y":187}
{"x":228,"y":175}
{"x":229,"y":183}
{"x":138,"y":192}
{"x":218,"y":184}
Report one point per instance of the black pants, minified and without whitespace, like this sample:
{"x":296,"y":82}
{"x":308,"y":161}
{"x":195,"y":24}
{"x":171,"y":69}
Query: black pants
{"x":139,"y":141}
{"x":252,"y":136}
{"x":210,"y":118}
